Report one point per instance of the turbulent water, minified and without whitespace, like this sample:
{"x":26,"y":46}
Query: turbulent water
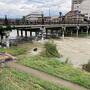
{"x":13,"y":34}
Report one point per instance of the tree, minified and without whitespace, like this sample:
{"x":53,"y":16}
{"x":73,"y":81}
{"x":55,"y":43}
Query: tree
{"x":6,"y":20}
{"x":23,"y":20}
{"x":60,"y":14}
{"x":1,"y":34}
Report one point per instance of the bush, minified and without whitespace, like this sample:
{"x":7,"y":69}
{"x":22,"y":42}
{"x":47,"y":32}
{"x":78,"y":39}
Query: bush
{"x":87,"y":67}
{"x":51,"y":50}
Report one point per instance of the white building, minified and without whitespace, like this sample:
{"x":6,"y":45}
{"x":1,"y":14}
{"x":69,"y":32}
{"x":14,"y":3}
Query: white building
{"x":83,"y":6}
{"x":76,"y":4}
{"x":32,"y":17}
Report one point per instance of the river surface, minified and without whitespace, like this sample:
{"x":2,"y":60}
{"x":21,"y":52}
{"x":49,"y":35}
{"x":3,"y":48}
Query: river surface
{"x":13,"y":34}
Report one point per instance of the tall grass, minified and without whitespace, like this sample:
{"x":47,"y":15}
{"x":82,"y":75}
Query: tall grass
{"x":50,"y":50}
{"x":11,"y":79}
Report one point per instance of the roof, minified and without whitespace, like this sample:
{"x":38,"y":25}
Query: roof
{"x":74,"y":13}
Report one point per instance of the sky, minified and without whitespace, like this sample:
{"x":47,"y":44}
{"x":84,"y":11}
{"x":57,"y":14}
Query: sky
{"x":19,"y":8}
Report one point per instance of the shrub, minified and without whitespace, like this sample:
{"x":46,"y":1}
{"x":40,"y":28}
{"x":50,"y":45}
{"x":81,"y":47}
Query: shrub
{"x":51,"y":50}
{"x":87,"y":67}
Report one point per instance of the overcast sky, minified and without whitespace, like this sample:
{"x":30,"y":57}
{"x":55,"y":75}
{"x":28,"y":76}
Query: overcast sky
{"x":19,"y":8}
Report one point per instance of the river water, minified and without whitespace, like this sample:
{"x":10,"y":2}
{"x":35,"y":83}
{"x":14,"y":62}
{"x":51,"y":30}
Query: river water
{"x":13,"y":34}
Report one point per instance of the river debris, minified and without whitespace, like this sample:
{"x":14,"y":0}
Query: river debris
{"x":5,"y":58}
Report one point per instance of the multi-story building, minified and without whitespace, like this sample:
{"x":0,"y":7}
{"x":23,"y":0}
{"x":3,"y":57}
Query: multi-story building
{"x":76,"y":4}
{"x":41,"y":19}
{"x":83,"y":6}
{"x":72,"y":17}
{"x":34,"y":18}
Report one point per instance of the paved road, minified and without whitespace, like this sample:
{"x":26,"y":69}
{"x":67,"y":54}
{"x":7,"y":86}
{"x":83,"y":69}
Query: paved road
{"x":47,"y":77}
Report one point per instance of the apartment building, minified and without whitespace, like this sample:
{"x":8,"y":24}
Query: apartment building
{"x":83,"y":6}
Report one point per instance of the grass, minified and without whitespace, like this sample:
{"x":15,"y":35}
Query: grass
{"x":13,"y":50}
{"x":20,"y":49}
{"x":56,"y":68}
{"x":50,"y":50}
{"x":15,"y":80}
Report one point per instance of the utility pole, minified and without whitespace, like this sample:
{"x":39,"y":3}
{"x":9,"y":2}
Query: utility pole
{"x":42,"y":18}
{"x":49,"y":16}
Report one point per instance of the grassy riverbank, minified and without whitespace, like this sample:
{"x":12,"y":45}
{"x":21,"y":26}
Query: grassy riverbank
{"x":15,"y":80}
{"x":13,"y":50}
{"x":49,"y":65}
{"x":56,"y":68}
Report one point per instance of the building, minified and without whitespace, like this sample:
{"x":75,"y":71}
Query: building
{"x":73,"y":17}
{"x":83,"y":6}
{"x":34,"y":18}
{"x":10,"y":21}
{"x":76,"y":4}
{"x":37,"y":18}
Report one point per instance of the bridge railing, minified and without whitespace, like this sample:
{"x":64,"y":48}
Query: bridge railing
{"x":46,"y":22}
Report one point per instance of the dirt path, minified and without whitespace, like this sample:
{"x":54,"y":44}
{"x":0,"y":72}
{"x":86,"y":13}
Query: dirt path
{"x":77,"y":50}
{"x":46,"y":76}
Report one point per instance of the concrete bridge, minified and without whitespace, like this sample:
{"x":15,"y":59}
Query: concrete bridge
{"x":51,"y":30}
{"x":58,"y":29}
{"x":51,"y":25}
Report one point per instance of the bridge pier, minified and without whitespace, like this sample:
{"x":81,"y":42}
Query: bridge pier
{"x":43,"y":29}
{"x":26,"y":33}
{"x":51,"y":33}
{"x":46,"y":33}
{"x":63,"y":35}
{"x":77,"y":32}
{"x":36,"y":34}
{"x":21,"y":33}
{"x":87,"y":30}
{"x":71,"y":32}
{"x":30,"y":33}
{"x":63,"y":32}
{"x":17,"y":32}
{"x":57,"y":31}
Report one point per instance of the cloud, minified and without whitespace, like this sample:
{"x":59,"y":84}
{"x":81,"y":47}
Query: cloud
{"x":19,"y":8}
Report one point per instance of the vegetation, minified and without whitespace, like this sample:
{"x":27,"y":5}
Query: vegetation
{"x":87,"y":67}
{"x":6,"y":28}
{"x":50,"y":50}
{"x":13,"y":50}
{"x":57,"y":68}
{"x":48,"y":64}
{"x":15,"y":80}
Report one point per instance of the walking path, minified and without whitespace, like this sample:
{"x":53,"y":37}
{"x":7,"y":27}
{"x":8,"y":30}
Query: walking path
{"x":47,"y":77}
